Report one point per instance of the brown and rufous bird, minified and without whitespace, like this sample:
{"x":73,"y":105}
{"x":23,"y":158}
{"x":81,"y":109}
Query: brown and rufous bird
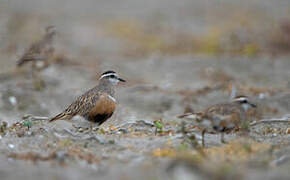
{"x":96,"y":105}
{"x":39,"y":52}
{"x":222,"y":117}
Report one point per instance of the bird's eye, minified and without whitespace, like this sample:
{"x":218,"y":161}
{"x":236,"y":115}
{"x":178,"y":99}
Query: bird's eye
{"x":245,"y":101}
{"x":112,"y":76}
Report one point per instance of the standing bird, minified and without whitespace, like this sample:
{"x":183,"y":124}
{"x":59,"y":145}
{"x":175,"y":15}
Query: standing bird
{"x":39,"y":55}
{"x":222,"y":117}
{"x":96,"y":105}
{"x":41,"y":51}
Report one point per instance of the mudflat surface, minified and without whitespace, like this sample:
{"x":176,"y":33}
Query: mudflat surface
{"x":173,"y":55}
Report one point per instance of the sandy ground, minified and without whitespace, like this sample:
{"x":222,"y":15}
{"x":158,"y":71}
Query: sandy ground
{"x":161,"y":82}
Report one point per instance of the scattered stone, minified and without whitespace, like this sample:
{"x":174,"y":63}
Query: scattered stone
{"x":11,"y":146}
{"x":124,"y":130}
{"x":20,"y":133}
{"x":13,"y":100}
{"x":81,"y":130}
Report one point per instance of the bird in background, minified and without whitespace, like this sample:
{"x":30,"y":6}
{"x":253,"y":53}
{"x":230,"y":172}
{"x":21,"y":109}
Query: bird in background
{"x":41,"y":51}
{"x":38,"y":55}
{"x":223,"y":117}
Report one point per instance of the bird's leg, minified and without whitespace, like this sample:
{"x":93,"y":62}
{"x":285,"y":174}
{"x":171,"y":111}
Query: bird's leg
{"x":37,"y":79}
{"x":202,"y":137}
{"x":222,"y":138}
{"x":91,"y":127}
{"x":39,"y":83}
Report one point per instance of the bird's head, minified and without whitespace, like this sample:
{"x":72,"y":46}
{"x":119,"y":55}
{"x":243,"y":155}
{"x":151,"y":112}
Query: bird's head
{"x":244,"y":102}
{"x":111,"y":77}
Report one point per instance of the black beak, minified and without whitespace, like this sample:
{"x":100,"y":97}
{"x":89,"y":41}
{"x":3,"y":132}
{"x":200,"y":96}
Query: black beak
{"x":253,"y":105}
{"x":122,"y":80}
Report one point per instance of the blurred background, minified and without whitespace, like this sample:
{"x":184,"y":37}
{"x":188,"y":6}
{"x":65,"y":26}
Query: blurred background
{"x":173,"y":54}
{"x":96,"y":30}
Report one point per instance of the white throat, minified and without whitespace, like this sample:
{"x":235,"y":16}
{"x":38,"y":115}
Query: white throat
{"x":245,"y":107}
{"x":113,"y":81}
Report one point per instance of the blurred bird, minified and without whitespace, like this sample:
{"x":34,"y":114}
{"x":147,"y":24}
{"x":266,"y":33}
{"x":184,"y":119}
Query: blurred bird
{"x":41,"y":51}
{"x":96,"y":105}
{"x":222,"y":117}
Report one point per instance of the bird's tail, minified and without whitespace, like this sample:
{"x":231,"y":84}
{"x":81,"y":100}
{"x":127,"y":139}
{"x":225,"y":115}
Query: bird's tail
{"x":60,"y":116}
{"x":185,"y":115}
{"x":23,"y":61}
{"x":192,"y":115}
{"x":29,"y":57}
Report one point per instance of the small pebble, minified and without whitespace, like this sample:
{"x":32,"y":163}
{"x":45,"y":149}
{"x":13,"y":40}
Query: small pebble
{"x":288,"y":131}
{"x":11,"y":146}
{"x":40,"y":64}
{"x":95,"y":128}
{"x":261,"y":96}
{"x":81,"y":130}
{"x":29,"y":133}
{"x":123,"y":130}
{"x":13,"y":100}
{"x":20,"y":133}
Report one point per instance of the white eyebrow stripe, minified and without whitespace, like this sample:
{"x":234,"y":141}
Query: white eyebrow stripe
{"x":105,"y":75}
{"x":241,"y":99}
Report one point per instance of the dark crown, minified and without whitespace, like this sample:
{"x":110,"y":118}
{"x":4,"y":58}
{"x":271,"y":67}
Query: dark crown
{"x":241,"y":96}
{"x":108,"y":72}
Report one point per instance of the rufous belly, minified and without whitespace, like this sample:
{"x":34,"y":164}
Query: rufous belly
{"x":103,"y":109}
